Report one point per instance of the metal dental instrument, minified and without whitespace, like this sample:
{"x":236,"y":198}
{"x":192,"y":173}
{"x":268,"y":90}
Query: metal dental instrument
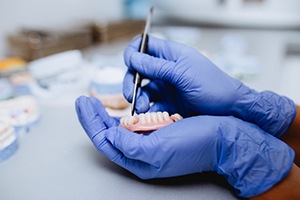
{"x":142,"y":49}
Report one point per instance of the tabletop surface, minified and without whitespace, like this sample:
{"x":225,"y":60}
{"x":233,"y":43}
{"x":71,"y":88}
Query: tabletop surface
{"x":56,"y":160}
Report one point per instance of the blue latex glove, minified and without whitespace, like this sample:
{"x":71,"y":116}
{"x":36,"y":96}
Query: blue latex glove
{"x":184,"y":81}
{"x":251,"y":160}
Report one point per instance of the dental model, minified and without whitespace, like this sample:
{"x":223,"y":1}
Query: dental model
{"x":113,"y":101}
{"x":8,"y":140}
{"x":56,"y":74}
{"x":6,"y":89}
{"x":106,"y":85}
{"x":22,"y":112}
{"x":146,"y":122}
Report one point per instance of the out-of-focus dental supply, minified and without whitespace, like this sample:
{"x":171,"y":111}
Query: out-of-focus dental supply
{"x":21,"y":112}
{"x":16,"y":78}
{"x":11,"y":64}
{"x":136,"y":9}
{"x":112,"y":31}
{"x":102,"y":60}
{"x":6,"y":89}
{"x":21,"y":82}
{"x":106,"y":85}
{"x":8,"y":140}
{"x":55,"y":74}
{"x":32,"y":44}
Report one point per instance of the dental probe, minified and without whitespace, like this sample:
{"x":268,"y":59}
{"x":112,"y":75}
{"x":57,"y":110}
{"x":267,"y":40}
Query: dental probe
{"x":142,"y":49}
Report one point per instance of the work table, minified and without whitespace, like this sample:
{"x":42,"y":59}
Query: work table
{"x":56,"y":160}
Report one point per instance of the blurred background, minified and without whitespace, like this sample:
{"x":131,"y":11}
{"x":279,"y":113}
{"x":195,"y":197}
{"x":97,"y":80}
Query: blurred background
{"x":52,"y":42}
{"x":53,"y":51}
{"x":265,"y":32}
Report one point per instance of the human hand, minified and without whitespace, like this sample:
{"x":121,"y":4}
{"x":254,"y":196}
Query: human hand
{"x":184,"y":81}
{"x":181,"y":80}
{"x":251,"y":160}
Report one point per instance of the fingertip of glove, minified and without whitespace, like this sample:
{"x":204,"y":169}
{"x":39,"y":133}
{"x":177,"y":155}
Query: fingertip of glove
{"x":80,"y":98}
{"x":78,"y":102}
{"x":128,"y":53}
{"x":97,"y":106}
{"x":94,"y":100}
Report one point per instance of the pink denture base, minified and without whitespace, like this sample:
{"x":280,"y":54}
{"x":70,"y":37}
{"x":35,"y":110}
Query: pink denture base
{"x":135,"y":124}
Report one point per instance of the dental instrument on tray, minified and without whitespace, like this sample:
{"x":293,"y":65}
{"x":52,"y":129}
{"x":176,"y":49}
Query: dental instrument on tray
{"x":143,"y":49}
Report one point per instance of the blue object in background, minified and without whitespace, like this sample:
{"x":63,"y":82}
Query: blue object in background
{"x":8,"y":151}
{"x":6,"y":89}
{"x":8,"y":141}
{"x":136,"y":9}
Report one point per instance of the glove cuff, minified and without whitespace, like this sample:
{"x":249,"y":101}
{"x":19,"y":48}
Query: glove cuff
{"x":256,"y":183}
{"x":253,"y":162}
{"x":270,"y":111}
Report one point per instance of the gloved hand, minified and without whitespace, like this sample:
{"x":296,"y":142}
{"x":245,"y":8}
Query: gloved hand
{"x":184,"y":81}
{"x":251,"y":160}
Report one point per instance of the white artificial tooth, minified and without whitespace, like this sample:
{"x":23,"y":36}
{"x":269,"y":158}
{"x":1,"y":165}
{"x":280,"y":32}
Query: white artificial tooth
{"x":154,"y":117}
{"x":130,"y":120}
{"x":160,"y":117}
{"x":142,"y":119}
{"x":122,"y":121}
{"x":176,"y":117}
{"x":126,"y":121}
{"x":148,"y":117}
{"x":135,"y":119}
{"x":166,"y":116}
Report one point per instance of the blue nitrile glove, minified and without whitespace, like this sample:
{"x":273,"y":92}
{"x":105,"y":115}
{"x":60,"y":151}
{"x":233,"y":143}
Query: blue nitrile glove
{"x":184,"y":81}
{"x":251,"y":160}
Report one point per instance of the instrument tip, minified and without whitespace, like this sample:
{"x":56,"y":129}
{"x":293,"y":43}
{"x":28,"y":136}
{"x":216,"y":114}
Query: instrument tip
{"x":151,"y":9}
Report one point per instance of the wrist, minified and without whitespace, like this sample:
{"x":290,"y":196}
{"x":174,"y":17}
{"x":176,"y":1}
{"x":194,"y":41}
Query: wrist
{"x":292,"y":136}
{"x":270,"y":111}
{"x":254,"y":161}
{"x":288,"y":188}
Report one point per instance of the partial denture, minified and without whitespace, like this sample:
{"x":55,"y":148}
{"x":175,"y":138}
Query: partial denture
{"x":21,"y":111}
{"x":8,"y":140}
{"x":146,"y":122}
{"x":113,"y":101}
{"x":7,"y":134}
